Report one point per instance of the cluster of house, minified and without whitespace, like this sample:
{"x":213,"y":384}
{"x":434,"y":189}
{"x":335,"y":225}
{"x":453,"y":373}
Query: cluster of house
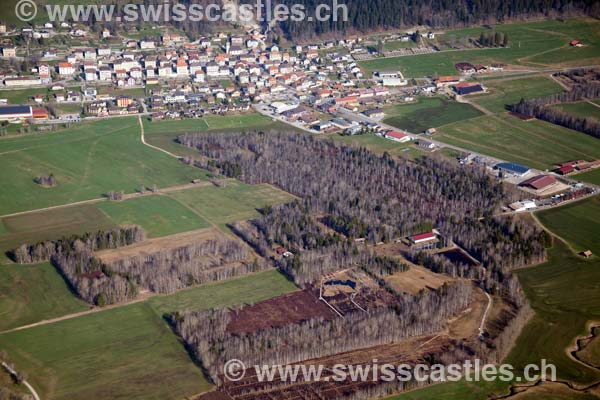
{"x":574,"y":166}
{"x":466,"y":68}
{"x":460,"y":87}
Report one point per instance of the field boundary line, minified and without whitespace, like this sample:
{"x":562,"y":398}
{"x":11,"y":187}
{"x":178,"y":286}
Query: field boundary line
{"x":142,"y":137}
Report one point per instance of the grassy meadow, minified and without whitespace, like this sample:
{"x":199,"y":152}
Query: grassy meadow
{"x":428,"y":112}
{"x":31,"y":293}
{"x":510,"y":91}
{"x":128,"y":352}
{"x":241,"y":290}
{"x":50,"y":225}
{"x":87,"y":161}
{"x":158,"y":215}
{"x":235,"y":202}
{"x":122,"y":353}
{"x":537,"y":144}
{"x":582,"y":109}
{"x":592,"y":176}
{"x":164,"y":134}
{"x":585,"y":215}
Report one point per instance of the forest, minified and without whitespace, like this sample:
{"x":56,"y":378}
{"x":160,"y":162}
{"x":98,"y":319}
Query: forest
{"x":356,"y":194}
{"x":353,"y":200}
{"x":377,"y":15}
{"x":205,"y":332}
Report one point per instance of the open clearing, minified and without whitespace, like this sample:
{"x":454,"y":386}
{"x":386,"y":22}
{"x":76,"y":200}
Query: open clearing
{"x":127,"y":352}
{"x":236,"y":201}
{"x":582,"y":109}
{"x":415,"y":279}
{"x":30,"y":293}
{"x":536,"y":143}
{"x":247,"y":289}
{"x":428,"y":113}
{"x":157,"y":244}
{"x":510,"y":91}
{"x":158,"y":215}
{"x":87,"y":161}
{"x":542,"y":43}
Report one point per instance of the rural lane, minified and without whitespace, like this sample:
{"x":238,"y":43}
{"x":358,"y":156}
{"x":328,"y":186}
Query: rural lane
{"x":14,"y":373}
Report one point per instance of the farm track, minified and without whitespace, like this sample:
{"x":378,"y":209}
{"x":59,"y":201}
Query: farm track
{"x":14,"y":373}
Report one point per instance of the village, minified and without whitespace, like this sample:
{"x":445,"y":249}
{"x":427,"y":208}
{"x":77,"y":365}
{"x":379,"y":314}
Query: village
{"x":316,"y":88}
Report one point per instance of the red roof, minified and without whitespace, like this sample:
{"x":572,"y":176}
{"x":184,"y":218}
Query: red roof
{"x":396,"y":135}
{"x":574,"y":42}
{"x":539,"y":182}
{"x":567,"y":169}
{"x":448,"y":78}
{"x":423,"y":236}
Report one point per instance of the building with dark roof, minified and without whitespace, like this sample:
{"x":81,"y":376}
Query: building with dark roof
{"x":11,"y":113}
{"x":512,"y":168}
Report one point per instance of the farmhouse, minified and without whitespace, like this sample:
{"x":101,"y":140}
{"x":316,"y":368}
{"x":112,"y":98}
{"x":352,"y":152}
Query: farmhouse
{"x":576,"y":43}
{"x":397,"y":136}
{"x":15,"y":113}
{"x":424,"y":241}
{"x":509,"y":168}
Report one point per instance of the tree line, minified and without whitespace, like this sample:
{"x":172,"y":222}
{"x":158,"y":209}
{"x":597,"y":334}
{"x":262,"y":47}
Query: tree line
{"x":377,"y":15}
{"x":99,"y":240}
{"x":541,"y":108}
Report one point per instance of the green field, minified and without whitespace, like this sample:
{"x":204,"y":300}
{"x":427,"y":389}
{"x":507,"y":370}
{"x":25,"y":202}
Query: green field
{"x":21,"y":96}
{"x":87,"y":161}
{"x":243,"y":290}
{"x":128,"y":352}
{"x":537,"y":144}
{"x":582,"y":109}
{"x":243,"y":122}
{"x":589,"y":176}
{"x":31,"y":293}
{"x":429,"y":112}
{"x":585,"y":215}
{"x":123,"y":353}
{"x":50,"y":225}
{"x":235,"y":202}
{"x":164,"y":134}
{"x":511,"y":91}
{"x":535,"y":43}
{"x":158,"y":215}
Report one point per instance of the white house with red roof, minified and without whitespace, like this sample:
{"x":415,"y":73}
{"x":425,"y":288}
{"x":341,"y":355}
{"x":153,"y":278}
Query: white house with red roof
{"x":397,"y":136}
